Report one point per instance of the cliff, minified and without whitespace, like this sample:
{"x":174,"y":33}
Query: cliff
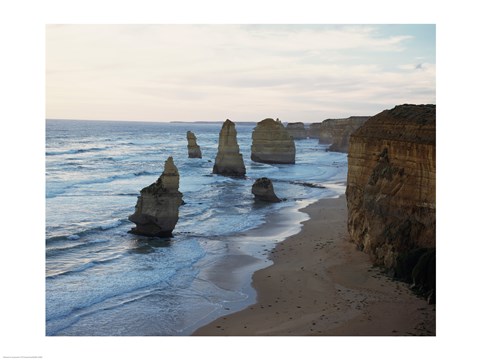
{"x":272,"y":144}
{"x":391,"y":191}
{"x":193,"y":149}
{"x":229,"y":161}
{"x":156,"y":211}
{"x":337,"y":131}
{"x":296,"y":130}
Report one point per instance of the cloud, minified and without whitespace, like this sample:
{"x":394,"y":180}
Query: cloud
{"x":182,"y":72}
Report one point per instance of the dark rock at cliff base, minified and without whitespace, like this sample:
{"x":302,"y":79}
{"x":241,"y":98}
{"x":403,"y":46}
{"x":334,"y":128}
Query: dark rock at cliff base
{"x":271,"y":143}
{"x":156,"y":211}
{"x":229,"y":160}
{"x":194,"y":150}
{"x":391,"y":190}
{"x":263,"y":190}
{"x":418,"y":267}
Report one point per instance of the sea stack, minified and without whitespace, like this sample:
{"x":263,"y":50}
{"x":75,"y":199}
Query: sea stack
{"x":263,"y":190}
{"x":193,"y":149}
{"x":229,"y":160}
{"x":313,"y":130}
{"x":391,"y":191}
{"x":271,"y":143}
{"x":336,"y":132}
{"x":297,"y":130}
{"x":156,"y":212}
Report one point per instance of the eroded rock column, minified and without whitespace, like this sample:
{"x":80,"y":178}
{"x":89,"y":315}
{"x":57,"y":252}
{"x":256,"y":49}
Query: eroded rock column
{"x":156,"y":211}
{"x":194,"y":150}
{"x":229,"y":160}
{"x":271,"y":143}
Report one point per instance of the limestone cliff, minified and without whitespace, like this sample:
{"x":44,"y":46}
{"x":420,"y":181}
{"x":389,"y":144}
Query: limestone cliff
{"x":272,"y":144}
{"x":156,"y":211}
{"x":297,"y":130}
{"x":263,"y":190}
{"x":337,"y":131}
{"x":391,"y":188}
{"x":193,"y":149}
{"x":229,"y":160}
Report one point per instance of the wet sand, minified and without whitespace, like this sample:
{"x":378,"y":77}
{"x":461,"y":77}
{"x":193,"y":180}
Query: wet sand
{"x":320,"y":284}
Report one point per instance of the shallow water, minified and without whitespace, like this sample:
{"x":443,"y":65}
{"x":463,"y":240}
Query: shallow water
{"x":101,"y":280}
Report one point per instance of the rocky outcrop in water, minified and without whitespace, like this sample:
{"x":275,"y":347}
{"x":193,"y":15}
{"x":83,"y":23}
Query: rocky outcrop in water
{"x":313,"y":130}
{"x":272,"y":144}
{"x":297,"y":130}
{"x":229,"y":160}
{"x":337,"y":131}
{"x":156,"y":212}
{"x":263,"y":190}
{"x":391,"y":191}
{"x":193,"y":149}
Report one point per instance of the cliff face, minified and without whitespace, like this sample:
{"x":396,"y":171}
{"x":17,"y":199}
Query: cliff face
{"x":272,"y":144}
{"x":391,"y":186}
{"x":229,"y":161}
{"x":337,"y":131}
{"x":156,"y":211}
{"x":193,"y":149}
{"x":297,"y":130}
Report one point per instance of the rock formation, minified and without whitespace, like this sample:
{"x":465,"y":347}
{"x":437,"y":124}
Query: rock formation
{"x":263,"y":190}
{"x":156,"y":212}
{"x":229,"y":160}
{"x":313,"y":130}
{"x":193,"y":149}
{"x":297,"y":130}
{"x":272,"y":144}
{"x":337,"y":131}
{"x":391,"y":190}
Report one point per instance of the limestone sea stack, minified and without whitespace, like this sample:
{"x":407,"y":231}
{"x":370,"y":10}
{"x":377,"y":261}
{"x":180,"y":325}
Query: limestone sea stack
{"x":391,"y":191}
{"x":229,"y":160}
{"x":194,"y":150}
{"x":313,"y":130}
{"x":271,"y":143}
{"x":263,"y":190}
{"x":156,"y":212}
{"x":297,"y":130}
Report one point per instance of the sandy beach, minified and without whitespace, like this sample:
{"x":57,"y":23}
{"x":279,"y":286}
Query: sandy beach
{"x":320,"y":284}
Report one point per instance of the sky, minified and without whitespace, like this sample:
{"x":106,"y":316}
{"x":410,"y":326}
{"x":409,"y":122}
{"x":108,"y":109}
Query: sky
{"x":301,"y":72}
{"x":73,"y":93}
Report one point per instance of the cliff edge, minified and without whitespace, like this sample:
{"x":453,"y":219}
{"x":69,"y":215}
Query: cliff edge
{"x":391,"y":192}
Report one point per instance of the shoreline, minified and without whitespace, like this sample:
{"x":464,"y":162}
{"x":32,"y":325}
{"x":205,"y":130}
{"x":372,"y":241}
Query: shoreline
{"x":320,"y":284}
{"x":245,"y":254}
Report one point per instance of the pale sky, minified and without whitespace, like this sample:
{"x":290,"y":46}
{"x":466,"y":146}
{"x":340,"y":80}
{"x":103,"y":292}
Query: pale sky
{"x":242,"y":72}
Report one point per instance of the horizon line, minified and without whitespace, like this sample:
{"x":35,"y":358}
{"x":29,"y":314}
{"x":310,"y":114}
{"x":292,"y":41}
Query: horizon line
{"x":198,"y":121}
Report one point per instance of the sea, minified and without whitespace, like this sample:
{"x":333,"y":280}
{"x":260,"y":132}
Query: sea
{"x":102,"y":280}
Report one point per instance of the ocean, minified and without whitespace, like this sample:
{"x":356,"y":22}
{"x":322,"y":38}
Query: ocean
{"x":102,"y":280}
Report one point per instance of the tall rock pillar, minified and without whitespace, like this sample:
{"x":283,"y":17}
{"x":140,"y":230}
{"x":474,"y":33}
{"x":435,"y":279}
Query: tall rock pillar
{"x":229,"y":160}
